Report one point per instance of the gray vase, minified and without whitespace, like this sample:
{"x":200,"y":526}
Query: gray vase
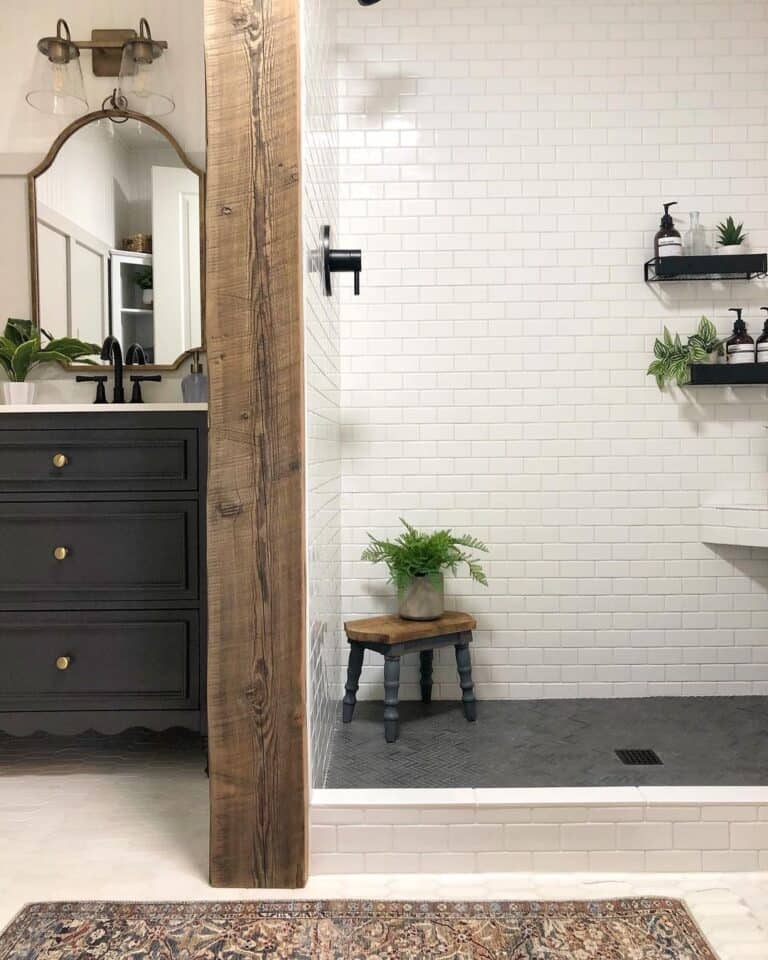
{"x":422,"y":599}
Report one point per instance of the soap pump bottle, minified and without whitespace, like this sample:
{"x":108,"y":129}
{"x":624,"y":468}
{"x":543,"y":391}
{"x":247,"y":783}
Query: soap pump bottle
{"x":668,"y":242}
{"x":762,"y":342}
{"x":740,"y":347}
{"x":194,"y":387}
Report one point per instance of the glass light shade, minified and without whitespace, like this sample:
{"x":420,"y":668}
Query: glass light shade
{"x":144,"y":80}
{"x":57,"y":88}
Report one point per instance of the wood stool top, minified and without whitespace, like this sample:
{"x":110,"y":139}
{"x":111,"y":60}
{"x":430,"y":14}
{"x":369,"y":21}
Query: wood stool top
{"x":393,"y":629}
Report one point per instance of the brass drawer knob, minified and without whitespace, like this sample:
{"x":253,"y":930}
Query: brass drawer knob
{"x":60,"y":460}
{"x":62,"y":663}
{"x":61,"y":553}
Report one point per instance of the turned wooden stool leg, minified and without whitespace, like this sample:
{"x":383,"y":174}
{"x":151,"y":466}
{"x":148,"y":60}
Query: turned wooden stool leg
{"x":464,"y":665}
{"x":426,"y":657}
{"x":391,"y":698}
{"x":354,"y":667}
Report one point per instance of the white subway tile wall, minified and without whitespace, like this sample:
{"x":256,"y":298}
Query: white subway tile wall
{"x":503,"y":168}
{"x":320,"y":148}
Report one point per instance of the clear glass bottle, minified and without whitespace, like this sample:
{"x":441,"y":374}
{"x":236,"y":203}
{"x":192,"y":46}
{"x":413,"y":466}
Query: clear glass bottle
{"x":194,"y":387}
{"x":695,"y":240}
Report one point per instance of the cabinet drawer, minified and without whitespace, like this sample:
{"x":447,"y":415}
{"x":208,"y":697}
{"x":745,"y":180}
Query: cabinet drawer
{"x":124,"y":661}
{"x":96,"y":460}
{"x":65,"y":555}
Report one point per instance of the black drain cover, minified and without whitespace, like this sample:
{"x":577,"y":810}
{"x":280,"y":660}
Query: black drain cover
{"x":639,"y":758}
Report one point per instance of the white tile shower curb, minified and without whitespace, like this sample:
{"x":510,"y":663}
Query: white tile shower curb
{"x":631,"y":829}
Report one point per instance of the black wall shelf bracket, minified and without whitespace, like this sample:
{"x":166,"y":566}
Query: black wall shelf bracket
{"x":742,"y":266}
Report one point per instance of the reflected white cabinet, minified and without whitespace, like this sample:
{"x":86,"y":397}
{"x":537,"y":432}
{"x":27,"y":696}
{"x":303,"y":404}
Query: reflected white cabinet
{"x":132,"y":318}
{"x":73,"y":266}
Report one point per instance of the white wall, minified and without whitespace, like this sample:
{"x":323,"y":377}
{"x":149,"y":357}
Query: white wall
{"x":26,"y":134}
{"x":320,"y":148}
{"x":504,"y":163}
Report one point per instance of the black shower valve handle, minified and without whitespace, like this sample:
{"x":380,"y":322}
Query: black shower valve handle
{"x":332,"y":261}
{"x":347,"y":261}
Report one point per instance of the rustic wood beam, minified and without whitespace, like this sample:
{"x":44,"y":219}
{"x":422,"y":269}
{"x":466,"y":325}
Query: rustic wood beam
{"x":256,"y":569}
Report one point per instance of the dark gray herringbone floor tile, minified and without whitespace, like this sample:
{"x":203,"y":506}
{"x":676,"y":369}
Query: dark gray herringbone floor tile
{"x":542,"y":743}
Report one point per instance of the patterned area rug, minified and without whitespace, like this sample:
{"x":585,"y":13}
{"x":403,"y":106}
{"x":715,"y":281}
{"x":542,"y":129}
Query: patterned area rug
{"x":350,"y":930}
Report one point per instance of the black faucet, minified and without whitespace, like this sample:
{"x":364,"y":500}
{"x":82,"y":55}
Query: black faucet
{"x":113,"y":352}
{"x":136,"y":354}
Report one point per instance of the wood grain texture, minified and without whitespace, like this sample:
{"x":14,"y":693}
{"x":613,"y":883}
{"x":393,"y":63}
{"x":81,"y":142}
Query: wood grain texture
{"x":256,"y":576}
{"x":393,"y":629}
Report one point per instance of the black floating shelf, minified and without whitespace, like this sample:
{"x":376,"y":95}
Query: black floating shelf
{"x":743,"y":266}
{"x":712,"y":374}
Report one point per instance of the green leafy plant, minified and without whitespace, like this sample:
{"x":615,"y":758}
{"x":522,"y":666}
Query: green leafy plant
{"x":674,"y":358}
{"x":730,"y":235}
{"x":144,"y":278}
{"x":21,"y":349}
{"x":418,"y":554}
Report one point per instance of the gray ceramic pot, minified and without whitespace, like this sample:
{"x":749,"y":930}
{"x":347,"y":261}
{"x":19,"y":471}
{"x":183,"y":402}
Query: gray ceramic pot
{"x":422,"y":600}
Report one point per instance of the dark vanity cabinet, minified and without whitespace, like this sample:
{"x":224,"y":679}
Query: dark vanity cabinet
{"x":102,"y":571}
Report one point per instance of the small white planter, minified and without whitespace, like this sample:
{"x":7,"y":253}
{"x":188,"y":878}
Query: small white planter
{"x":19,"y":394}
{"x":147,"y":297}
{"x":733,"y":250}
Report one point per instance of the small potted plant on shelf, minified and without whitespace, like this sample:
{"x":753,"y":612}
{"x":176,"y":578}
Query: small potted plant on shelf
{"x":21,"y":349}
{"x":730,"y":238}
{"x":145,"y":280}
{"x":674,"y":358}
{"x":417,"y":562}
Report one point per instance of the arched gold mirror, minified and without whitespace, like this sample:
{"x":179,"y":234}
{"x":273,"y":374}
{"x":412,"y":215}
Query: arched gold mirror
{"x":117,"y":237}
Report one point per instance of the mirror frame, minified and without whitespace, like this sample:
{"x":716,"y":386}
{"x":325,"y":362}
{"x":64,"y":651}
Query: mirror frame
{"x":40,"y":169}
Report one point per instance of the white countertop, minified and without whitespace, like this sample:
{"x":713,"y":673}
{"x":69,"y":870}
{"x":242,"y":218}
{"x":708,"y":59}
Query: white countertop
{"x":101,"y":407}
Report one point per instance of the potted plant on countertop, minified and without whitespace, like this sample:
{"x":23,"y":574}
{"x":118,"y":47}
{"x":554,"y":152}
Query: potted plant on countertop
{"x":730,"y":238}
{"x":417,"y":562}
{"x":674,"y":358}
{"x":145,"y":281}
{"x":21,"y":349}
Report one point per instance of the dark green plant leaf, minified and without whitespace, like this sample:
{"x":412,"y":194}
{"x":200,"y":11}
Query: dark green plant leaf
{"x":23,"y":359}
{"x":19,"y":331}
{"x":71,"y":348}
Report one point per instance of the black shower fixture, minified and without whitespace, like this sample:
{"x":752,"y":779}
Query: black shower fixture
{"x":367,"y":3}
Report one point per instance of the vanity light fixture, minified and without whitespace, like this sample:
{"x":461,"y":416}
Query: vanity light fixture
{"x":136,"y":58}
{"x":143,"y":85}
{"x":57,"y":78}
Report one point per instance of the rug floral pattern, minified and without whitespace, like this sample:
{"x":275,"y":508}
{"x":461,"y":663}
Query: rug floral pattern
{"x":648,"y":929}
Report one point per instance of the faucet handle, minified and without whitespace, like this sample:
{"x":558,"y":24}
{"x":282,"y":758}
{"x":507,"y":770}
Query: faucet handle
{"x":101,"y":393}
{"x":137,"y":381}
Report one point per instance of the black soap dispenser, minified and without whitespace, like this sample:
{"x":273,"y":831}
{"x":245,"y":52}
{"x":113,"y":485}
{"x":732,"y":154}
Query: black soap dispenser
{"x":762,"y":342}
{"x":739,"y":347}
{"x":668,"y":242}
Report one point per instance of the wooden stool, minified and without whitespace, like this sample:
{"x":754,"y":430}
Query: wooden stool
{"x":392,"y":637}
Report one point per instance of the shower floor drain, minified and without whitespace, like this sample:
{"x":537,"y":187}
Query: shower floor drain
{"x":639,"y":758}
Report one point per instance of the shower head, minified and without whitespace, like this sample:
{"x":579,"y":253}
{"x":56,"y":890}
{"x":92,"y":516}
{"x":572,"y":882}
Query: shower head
{"x":367,"y":3}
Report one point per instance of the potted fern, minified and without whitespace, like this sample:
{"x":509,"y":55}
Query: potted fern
{"x":673,"y":358}
{"x":417,"y":562}
{"x":21,"y":349}
{"x":730,"y":238}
